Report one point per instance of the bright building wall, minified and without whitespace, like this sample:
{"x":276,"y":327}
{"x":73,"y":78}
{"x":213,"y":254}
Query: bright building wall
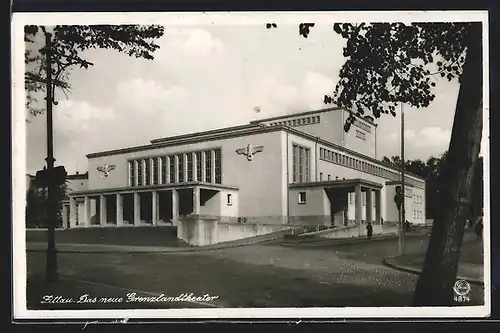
{"x":260,"y":181}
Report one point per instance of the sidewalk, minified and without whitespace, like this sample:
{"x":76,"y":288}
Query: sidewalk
{"x":114,"y":248}
{"x":470,"y":272}
{"x":325,"y":242}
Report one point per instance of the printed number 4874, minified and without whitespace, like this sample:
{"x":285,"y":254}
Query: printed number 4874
{"x":462,"y":299}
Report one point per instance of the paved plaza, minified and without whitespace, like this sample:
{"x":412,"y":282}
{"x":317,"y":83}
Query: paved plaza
{"x":259,"y":275}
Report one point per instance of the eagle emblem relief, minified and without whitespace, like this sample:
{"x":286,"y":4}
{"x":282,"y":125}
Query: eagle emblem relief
{"x":250,"y":151}
{"x":106,"y":169}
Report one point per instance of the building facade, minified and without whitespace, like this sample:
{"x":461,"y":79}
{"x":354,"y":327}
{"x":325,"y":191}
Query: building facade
{"x":300,"y":169}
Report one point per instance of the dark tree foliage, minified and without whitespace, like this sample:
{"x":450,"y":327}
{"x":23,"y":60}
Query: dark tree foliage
{"x":68,"y":44}
{"x":430,"y":170}
{"x":388,"y":64}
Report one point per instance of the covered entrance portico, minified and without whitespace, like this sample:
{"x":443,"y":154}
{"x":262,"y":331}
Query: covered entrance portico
{"x":332,"y":201}
{"x":153,"y":205}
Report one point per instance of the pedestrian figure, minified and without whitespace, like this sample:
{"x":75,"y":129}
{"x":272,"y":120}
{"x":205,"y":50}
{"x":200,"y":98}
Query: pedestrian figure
{"x":478,"y":230}
{"x":369,"y":230}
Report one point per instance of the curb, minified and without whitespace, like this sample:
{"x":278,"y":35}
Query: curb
{"x":331,"y":242}
{"x":171,"y":250}
{"x":416,"y":271}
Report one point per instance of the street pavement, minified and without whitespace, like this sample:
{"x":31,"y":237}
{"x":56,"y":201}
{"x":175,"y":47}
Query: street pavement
{"x":349,"y":267}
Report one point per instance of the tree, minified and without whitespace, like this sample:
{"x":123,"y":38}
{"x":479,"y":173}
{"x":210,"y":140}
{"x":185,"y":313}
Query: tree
{"x":389,"y":64}
{"x":68,"y":44}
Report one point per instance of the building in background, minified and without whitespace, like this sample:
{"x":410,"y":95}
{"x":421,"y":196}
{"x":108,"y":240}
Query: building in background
{"x":299,"y":169}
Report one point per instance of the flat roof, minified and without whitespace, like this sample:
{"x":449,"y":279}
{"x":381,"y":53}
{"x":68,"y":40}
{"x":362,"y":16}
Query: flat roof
{"x":147,"y":188}
{"x":338,"y":183}
{"x":305,"y":113}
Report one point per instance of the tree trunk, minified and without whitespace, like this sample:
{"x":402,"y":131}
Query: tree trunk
{"x":435,"y":284}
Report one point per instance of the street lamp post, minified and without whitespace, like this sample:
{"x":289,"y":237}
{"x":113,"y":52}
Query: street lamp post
{"x":402,"y":215}
{"x":51,"y":206}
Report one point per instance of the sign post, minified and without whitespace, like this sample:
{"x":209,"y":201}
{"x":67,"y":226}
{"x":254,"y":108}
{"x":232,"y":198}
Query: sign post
{"x":398,"y":199}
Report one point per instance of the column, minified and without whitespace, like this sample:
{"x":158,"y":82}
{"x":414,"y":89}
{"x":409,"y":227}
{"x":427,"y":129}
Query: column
{"x":175,"y":206}
{"x":358,"y":206}
{"x":369,"y":206}
{"x":154,"y":211}
{"x":72,"y":212}
{"x":212,"y":160}
{"x":195,"y":168}
{"x":151,"y":167}
{"x":167,"y":169}
{"x":88,"y":214}
{"x":137,"y":209}
{"x":196,"y":201}
{"x":143,"y":168}
{"x":119,"y":210}
{"x":135,"y":170}
{"x":160,"y":170}
{"x":103,"y":219}
{"x":176,"y":168}
{"x":378,"y":208}
{"x":203,"y":169}
{"x":185,"y":167}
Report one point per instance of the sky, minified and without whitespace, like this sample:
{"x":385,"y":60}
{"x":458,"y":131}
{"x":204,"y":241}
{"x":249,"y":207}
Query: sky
{"x":212,"y":76}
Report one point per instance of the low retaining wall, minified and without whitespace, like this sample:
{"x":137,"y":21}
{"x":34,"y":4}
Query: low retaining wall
{"x":201,"y":231}
{"x":354,"y":231}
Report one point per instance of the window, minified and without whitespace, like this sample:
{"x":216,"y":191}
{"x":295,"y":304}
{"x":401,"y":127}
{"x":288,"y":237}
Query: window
{"x":351,"y":197}
{"x":140,"y":164}
{"x":320,"y":176}
{"x":147,"y":171}
{"x":172,"y":168}
{"x":218,"y":167}
{"x":229,"y":199}
{"x":329,"y":177}
{"x":198,"y":166}
{"x":361,"y":135}
{"x":131,"y":173}
{"x":208,"y":166}
{"x":180,"y":171}
{"x":414,"y":214}
{"x":164,"y":170}
{"x":190,"y":167}
{"x":336,"y":178}
{"x":302,"y":197}
{"x":294,"y":163}
{"x":301,"y":164}
{"x":306,"y":169}
{"x":155,"y":171}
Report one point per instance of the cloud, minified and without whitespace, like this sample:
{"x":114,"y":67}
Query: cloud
{"x":191,"y":42}
{"x":79,"y":116}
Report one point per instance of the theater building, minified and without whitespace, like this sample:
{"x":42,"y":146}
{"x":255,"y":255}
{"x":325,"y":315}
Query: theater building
{"x":300,"y":169}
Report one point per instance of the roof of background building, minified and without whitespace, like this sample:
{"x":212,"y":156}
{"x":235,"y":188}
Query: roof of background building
{"x":305,"y":113}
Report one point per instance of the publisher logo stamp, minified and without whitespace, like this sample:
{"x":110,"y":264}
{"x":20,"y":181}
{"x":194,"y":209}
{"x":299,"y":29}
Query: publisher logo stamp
{"x":461,"y":289}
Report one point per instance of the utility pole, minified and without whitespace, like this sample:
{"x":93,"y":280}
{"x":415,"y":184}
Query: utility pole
{"x":402,"y":210}
{"x":51,"y":205}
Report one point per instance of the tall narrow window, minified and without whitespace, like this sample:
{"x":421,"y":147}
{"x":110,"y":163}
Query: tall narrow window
{"x":294,"y":163}
{"x":180,"y":158}
{"x":172,"y":168}
{"x":147,"y":171}
{"x":155,"y":171}
{"x":163,"y":169}
{"x":208,"y":166}
{"x":140,"y":165}
{"x":218,"y":167}
{"x":307,"y":161}
{"x":198,"y":166}
{"x":131,"y":173}
{"x":301,"y":164}
{"x":189,"y":167}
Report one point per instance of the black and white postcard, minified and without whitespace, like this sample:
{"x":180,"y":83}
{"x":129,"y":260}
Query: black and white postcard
{"x":251,"y":165}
